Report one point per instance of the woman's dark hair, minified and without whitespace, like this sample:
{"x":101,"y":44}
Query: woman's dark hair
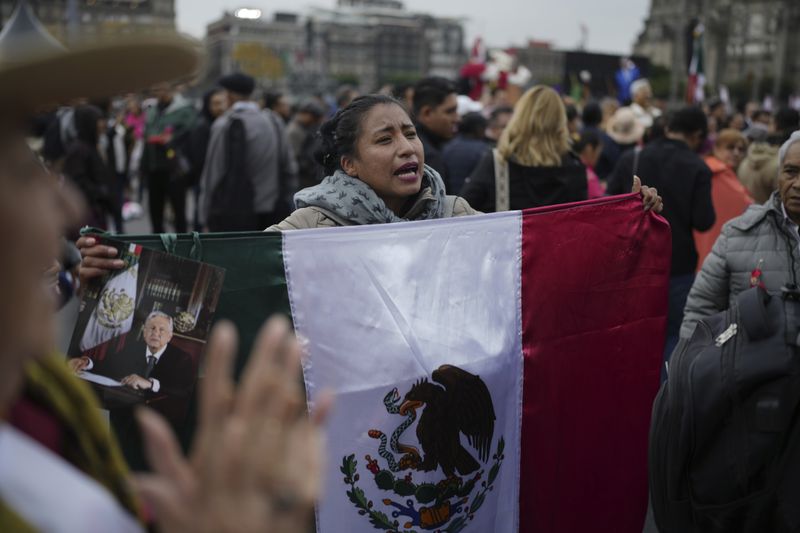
{"x":271,"y":99}
{"x":587,"y":138}
{"x":206,"y":109}
{"x":787,"y":119}
{"x":592,"y":115}
{"x":473,"y":125}
{"x":86,"y":118}
{"x":688,"y":120}
{"x":572,"y":112}
{"x":338,"y":135}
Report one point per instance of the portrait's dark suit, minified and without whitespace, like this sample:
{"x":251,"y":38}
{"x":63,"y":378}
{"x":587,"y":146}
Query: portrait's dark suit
{"x":174,"y":369}
{"x":176,"y":374}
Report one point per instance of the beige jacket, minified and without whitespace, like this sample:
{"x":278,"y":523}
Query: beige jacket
{"x":316,"y":217}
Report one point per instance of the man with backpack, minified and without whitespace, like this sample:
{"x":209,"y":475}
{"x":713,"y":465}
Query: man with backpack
{"x":250,"y":173}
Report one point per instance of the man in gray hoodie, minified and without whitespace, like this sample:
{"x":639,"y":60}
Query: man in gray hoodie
{"x":250,"y":175}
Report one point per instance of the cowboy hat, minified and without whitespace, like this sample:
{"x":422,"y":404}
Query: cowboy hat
{"x":624,"y":128}
{"x":36,"y":70}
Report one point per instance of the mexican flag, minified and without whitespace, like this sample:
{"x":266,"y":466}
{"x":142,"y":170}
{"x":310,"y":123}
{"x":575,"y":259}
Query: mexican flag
{"x":116,"y":303}
{"x":695,"y":89}
{"x":493,"y":373}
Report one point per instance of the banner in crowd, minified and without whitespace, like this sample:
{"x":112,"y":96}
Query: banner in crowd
{"x":492,"y":373}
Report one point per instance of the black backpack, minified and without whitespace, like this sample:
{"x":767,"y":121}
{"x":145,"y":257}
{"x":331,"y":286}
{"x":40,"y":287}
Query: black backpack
{"x":725,"y":437}
{"x":231,"y":207}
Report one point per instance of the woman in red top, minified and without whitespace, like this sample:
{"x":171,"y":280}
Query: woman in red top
{"x":730,"y":197}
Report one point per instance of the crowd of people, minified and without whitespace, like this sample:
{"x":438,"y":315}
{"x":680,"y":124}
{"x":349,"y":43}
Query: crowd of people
{"x":726,"y":179}
{"x":250,"y":160}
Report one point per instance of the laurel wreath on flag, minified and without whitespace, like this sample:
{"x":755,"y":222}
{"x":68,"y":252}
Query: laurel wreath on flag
{"x":115,"y":307}
{"x":424,"y":493}
{"x":184,"y":322}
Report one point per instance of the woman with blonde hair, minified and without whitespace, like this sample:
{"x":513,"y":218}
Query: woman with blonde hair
{"x":532,"y":165}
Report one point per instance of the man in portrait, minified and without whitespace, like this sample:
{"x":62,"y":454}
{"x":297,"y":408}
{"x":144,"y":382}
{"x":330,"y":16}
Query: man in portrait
{"x":152,"y":365}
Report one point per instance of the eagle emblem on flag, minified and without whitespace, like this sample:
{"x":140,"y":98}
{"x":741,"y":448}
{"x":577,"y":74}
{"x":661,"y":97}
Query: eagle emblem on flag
{"x":455,"y":403}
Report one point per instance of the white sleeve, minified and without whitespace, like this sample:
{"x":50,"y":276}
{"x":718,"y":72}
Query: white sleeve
{"x":156,"y":385}
{"x":90,"y":365}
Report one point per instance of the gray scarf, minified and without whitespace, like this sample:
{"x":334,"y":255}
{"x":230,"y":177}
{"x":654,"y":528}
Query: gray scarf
{"x":355,"y":201}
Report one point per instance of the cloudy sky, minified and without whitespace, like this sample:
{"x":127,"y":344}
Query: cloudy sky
{"x":613,"y":24}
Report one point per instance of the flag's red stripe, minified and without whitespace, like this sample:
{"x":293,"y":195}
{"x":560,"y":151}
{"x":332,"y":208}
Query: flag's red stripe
{"x":594,"y":305}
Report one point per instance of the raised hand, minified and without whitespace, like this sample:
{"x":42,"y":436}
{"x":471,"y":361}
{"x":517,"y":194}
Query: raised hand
{"x":256,"y":461}
{"x":96,"y":260}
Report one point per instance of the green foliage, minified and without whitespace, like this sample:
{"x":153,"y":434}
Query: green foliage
{"x":359,"y":499}
{"x":493,"y":473}
{"x":404,"y":488}
{"x":385,"y":480}
{"x":477,"y":502}
{"x":466,"y":488}
{"x":348,"y":468}
{"x":381,"y":521}
{"x":426,"y":493}
{"x":459,"y":523}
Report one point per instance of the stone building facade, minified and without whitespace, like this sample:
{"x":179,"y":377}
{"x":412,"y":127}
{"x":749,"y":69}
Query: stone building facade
{"x":105,"y":17}
{"x":745,"y":41}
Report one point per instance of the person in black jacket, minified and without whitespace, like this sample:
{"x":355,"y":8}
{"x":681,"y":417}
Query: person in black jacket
{"x":84,"y":166}
{"x":436,"y":116}
{"x":462,"y":154}
{"x":215,"y":103}
{"x":671,"y":164}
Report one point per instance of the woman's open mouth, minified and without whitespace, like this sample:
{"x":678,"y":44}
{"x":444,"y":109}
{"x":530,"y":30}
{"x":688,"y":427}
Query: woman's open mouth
{"x":408,"y":172}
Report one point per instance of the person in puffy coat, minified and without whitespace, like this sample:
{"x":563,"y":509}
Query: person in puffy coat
{"x":760,"y":247}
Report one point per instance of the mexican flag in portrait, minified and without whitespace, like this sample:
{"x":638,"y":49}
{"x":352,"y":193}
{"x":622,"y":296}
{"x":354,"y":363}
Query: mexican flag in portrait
{"x":113,"y":315}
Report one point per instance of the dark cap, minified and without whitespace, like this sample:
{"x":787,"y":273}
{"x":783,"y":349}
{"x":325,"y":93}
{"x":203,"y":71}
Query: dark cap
{"x":312,"y":107}
{"x":238,"y":83}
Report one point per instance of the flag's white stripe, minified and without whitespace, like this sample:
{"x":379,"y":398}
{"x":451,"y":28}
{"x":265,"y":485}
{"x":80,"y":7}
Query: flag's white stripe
{"x":382,"y":306}
{"x":517,"y":457}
